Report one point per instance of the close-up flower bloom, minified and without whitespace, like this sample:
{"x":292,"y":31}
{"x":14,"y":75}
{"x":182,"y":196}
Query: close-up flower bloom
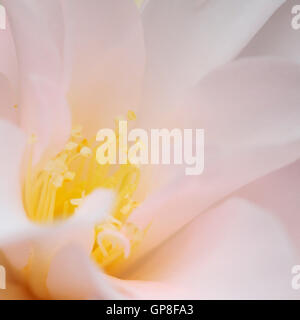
{"x":73,"y":228}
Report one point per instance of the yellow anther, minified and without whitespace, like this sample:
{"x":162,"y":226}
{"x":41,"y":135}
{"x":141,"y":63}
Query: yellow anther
{"x":115,"y":238}
{"x":131,"y":115}
{"x":133,"y":233}
{"x":15,"y":106}
{"x":54,"y":193}
{"x":126,"y":209}
{"x":57,"y":180}
{"x":76,"y":132}
{"x":113,"y":220}
{"x":69,"y":176}
{"x":71,"y":146}
{"x":76,"y":202}
{"x":86,"y":152}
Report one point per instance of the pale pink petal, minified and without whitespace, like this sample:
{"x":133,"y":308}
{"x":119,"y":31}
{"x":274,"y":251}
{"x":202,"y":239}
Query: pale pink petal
{"x":105,"y":58}
{"x":277,"y":37}
{"x":95,"y":207}
{"x":50,"y":119}
{"x":25,"y":243}
{"x":250,"y":113}
{"x":37,"y":249}
{"x":7,"y":110}
{"x":149,"y":290}
{"x":37,"y":29}
{"x":234,"y":251}
{"x":72,"y":275}
{"x":187,"y":39}
{"x":13,"y":219}
{"x":8,"y":58}
{"x":14,"y":224}
{"x":279,"y":193}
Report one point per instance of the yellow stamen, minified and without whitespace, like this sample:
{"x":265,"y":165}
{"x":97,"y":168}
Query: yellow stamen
{"x":131,"y":115}
{"x":56,"y":191}
{"x":71,"y":146}
{"x":86,"y":152}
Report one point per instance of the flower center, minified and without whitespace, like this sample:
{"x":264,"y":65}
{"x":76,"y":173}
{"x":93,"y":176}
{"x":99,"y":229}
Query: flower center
{"x":57,"y":190}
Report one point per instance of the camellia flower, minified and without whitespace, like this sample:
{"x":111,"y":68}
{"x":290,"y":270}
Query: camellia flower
{"x":71,"y":228}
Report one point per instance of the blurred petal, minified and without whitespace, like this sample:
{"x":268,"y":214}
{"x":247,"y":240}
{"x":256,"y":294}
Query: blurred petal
{"x":31,"y":255}
{"x":37,"y":29}
{"x":277,"y":37}
{"x":252,"y":129}
{"x":7,"y":110}
{"x":105,"y":58}
{"x":13,"y":219}
{"x":8,"y":58}
{"x":150,"y":290}
{"x":185,"y":39}
{"x":279,"y":193}
{"x":234,"y":251}
{"x":72,"y":275}
{"x":14,"y":224}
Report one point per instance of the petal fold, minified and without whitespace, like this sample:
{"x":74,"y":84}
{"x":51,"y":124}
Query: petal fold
{"x":187,"y":39}
{"x":236,"y":250}
{"x":37,"y":30}
{"x":285,"y":44}
{"x":104,"y":56}
{"x":249,"y":110}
